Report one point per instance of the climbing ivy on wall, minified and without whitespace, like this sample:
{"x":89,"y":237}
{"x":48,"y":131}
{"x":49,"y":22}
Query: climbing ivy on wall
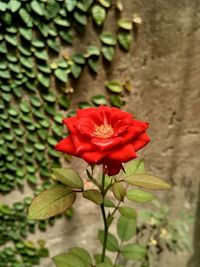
{"x":37,"y":64}
{"x":35,"y":74}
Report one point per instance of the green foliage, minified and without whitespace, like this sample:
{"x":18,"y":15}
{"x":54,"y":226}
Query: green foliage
{"x":68,"y":177}
{"x":139,"y":196}
{"x":126,"y":228}
{"x":93,"y":195}
{"x":112,"y":243}
{"x":51,"y":202}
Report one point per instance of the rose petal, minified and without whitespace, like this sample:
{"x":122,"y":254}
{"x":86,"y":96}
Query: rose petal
{"x":85,"y":126}
{"x":135,"y":130}
{"x":82,"y":144}
{"x":90,"y":113}
{"x":70,"y":122}
{"x":112,"y":167}
{"x":66,"y":145}
{"x":93,"y":156}
{"x":118,"y":115}
{"x":141,"y":141}
{"x":123,"y":153}
{"x":105,"y":144}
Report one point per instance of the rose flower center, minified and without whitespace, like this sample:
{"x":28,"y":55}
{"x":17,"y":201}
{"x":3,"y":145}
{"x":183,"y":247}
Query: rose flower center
{"x":103,"y":131}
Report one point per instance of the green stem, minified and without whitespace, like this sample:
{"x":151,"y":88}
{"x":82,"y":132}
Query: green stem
{"x":104,"y":220}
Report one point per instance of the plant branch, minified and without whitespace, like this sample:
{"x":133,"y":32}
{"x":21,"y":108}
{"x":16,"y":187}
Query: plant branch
{"x":104,"y":220}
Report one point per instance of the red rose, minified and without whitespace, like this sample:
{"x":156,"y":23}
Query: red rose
{"x":104,"y":135}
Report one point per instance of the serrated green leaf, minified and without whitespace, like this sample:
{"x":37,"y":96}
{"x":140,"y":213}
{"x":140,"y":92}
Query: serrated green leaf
{"x":68,"y":260}
{"x":125,"y":24}
{"x":51,"y":202}
{"x":112,"y":242}
{"x":147,"y":181}
{"x":93,"y":195}
{"x":108,"y":52}
{"x":98,"y":14}
{"x":134,"y":251}
{"x":127,"y":212}
{"x":126,"y":228}
{"x":139,"y":196}
{"x":114,"y":86}
{"x":125,"y":40}
{"x":68,"y":177}
{"x":108,"y":38}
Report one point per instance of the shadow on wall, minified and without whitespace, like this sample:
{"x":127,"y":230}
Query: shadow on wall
{"x":195,"y":259}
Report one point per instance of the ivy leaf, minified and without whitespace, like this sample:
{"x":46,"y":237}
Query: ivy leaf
{"x":14,"y":5}
{"x":108,"y":38}
{"x":26,"y":33}
{"x":70,"y":5}
{"x":66,"y":36}
{"x":68,"y":177}
{"x":76,"y":70}
{"x":78,"y":58}
{"x":41,"y":54}
{"x":125,"y":40}
{"x":53,"y":44}
{"x":93,"y":195}
{"x":51,"y":202}
{"x":134,"y":252}
{"x":80,"y":18}
{"x":44,"y":80}
{"x":147,"y":181}
{"x":99,"y":100}
{"x":37,"y":7}
{"x":61,"y":74}
{"x":114,"y":86}
{"x":52,"y":8}
{"x":116,"y":101}
{"x":93,"y":64}
{"x":3,"y":6}
{"x":11,"y":39}
{"x":93,"y":51}
{"x":108,"y":52}
{"x":139,"y":196}
{"x":68,"y":260}
{"x":105,"y":3}
{"x":98,"y":14}
{"x":126,"y":228}
{"x":112,"y":242}
{"x":125,"y":24}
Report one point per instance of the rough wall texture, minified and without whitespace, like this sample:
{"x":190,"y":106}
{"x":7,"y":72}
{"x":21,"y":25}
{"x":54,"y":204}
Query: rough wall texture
{"x":164,"y":69}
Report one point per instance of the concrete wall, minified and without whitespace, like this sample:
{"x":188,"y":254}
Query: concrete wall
{"x":163,"y":67}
